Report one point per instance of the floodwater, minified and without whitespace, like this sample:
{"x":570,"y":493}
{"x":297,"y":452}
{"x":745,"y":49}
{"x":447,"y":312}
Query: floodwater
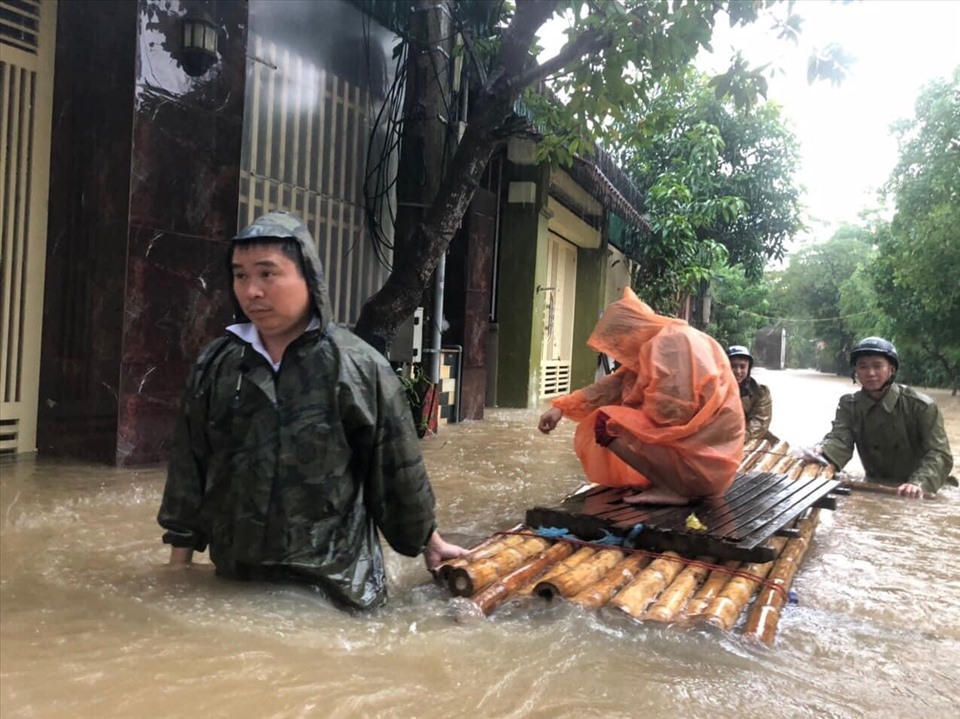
{"x":94,"y":625}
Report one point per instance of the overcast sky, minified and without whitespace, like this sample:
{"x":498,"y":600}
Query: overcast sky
{"x":846,"y":146}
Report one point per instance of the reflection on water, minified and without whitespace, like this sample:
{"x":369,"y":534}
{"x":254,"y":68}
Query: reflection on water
{"x":94,"y":625}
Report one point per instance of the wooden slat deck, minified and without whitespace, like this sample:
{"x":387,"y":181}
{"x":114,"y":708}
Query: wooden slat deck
{"x":756,"y":507}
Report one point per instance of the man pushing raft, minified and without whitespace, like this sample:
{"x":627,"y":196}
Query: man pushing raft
{"x":668,"y":422}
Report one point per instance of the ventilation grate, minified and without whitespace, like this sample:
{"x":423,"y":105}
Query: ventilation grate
{"x":9,"y":431}
{"x":554,"y":379}
{"x":20,"y":24}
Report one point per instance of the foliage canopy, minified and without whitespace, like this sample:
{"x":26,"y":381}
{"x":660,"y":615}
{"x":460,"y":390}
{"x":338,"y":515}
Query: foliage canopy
{"x":617,"y":54}
{"x":718,"y":186}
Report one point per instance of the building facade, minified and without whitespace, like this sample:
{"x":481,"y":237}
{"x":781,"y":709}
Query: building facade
{"x":154,"y":165}
{"x":128,"y":164}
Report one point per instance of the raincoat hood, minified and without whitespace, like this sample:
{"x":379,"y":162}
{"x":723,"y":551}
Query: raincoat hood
{"x":626,"y":326}
{"x":282,"y":226}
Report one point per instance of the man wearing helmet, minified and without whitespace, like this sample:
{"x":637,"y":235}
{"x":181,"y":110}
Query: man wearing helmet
{"x":755,"y":397}
{"x":897,"y":431}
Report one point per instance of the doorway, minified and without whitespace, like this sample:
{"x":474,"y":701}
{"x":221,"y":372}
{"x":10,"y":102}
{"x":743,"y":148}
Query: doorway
{"x":561,"y":293}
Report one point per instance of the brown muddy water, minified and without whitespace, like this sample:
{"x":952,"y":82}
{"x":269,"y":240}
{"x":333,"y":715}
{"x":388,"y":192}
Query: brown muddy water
{"x":94,"y":625}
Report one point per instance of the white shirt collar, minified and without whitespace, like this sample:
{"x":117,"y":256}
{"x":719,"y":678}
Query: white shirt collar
{"x":248,"y":333}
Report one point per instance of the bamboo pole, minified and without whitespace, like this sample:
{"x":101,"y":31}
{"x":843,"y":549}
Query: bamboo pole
{"x":711,"y":588}
{"x":751,"y":445}
{"x":875,"y":488}
{"x":774,"y":454}
{"x":805,"y":471}
{"x":623,"y":573}
{"x":756,"y":452}
{"x":494,"y":594}
{"x":487,"y":548}
{"x":784,"y":465}
{"x":635,"y":597}
{"x":729,"y":603}
{"x":578,"y":556}
{"x":678,"y":594}
{"x":579,"y":578}
{"x":765,"y":615}
{"x":467,"y":581}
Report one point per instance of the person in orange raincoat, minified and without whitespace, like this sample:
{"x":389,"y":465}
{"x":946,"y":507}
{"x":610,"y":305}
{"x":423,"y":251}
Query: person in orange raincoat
{"x":668,"y":421}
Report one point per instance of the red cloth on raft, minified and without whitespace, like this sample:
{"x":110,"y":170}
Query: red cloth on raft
{"x":673,"y":400}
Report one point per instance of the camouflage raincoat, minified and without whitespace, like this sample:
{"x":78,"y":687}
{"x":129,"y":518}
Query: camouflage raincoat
{"x":900,"y":438}
{"x":287,"y":475}
{"x":757,"y":408}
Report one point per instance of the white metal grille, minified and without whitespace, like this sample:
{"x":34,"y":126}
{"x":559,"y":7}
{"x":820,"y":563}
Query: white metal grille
{"x":26,"y":91}
{"x":20,"y":24}
{"x":554,"y":379}
{"x":17,"y":88}
{"x":306,"y":132}
{"x":9,"y":430}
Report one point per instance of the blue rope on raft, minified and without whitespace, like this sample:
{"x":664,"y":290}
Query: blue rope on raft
{"x":608,"y":539}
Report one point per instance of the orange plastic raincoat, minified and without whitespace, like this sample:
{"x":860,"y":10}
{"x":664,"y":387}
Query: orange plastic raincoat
{"x":673,"y":400}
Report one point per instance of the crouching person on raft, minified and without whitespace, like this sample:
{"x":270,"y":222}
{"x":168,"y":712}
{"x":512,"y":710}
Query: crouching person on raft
{"x":669,"y":421}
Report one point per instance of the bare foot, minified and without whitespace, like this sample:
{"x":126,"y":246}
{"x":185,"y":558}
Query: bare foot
{"x":657,"y":495}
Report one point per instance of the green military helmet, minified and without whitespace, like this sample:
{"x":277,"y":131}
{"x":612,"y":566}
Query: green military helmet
{"x":740,"y":351}
{"x":875,"y":346}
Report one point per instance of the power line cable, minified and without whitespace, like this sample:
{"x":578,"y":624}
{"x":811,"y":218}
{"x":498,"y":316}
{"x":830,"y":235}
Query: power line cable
{"x":791,"y":319}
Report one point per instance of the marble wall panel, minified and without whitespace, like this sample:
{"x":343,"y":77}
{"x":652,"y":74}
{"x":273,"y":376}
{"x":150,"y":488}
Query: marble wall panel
{"x":87,"y":226}
{"x":144,"y":192}
{"x":184,"y":193}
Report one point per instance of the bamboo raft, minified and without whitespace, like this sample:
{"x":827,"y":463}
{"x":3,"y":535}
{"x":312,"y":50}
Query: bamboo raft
{"x":714,"y":583}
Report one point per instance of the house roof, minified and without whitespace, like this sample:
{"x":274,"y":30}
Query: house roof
{"x":607,"y":183}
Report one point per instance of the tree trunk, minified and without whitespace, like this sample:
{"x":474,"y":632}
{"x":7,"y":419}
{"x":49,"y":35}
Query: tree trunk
{"x":414,"y":264}
{"x":426,"y":136}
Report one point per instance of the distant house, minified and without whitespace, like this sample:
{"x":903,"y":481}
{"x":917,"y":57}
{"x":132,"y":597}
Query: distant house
{"x":770,"y":347}
{"x":558,"y":270}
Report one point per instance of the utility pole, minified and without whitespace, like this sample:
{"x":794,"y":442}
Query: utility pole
{"x":429,"y":138}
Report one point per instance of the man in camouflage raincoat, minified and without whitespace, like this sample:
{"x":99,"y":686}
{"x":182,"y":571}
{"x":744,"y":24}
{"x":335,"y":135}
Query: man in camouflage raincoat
{"x":898,"y":431}
{"x":295,"y":443}
{"x":755,"y":397}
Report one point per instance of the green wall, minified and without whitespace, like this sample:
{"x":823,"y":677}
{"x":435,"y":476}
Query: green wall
{"x":523,"y":258}
{"x":520,"y":307}
{"x":591,"y":295}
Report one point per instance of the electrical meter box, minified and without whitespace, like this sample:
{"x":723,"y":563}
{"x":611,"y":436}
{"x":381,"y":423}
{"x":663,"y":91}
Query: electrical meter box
{"x":407,"y":346}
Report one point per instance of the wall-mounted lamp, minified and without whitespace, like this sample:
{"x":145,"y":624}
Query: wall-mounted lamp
{"x":198,"y":43}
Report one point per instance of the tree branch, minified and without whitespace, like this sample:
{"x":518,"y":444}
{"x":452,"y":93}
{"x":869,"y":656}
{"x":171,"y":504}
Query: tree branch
{"x":518,"y":38}
{"x":587,"y":43}
{"x":472,"y":51}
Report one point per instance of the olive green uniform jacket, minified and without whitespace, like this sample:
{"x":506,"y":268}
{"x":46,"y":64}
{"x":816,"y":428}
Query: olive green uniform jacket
{"x":757,"y":408}
{"x":900,"y":438}
{"x":288,"y":475}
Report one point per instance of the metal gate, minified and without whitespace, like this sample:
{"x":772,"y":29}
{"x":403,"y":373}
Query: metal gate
{"x":27,"y":38}
{"x":305,"y":143}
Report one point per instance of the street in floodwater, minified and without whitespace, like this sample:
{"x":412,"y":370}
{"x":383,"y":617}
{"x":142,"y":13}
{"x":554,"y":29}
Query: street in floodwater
{"x":94,"y":625}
